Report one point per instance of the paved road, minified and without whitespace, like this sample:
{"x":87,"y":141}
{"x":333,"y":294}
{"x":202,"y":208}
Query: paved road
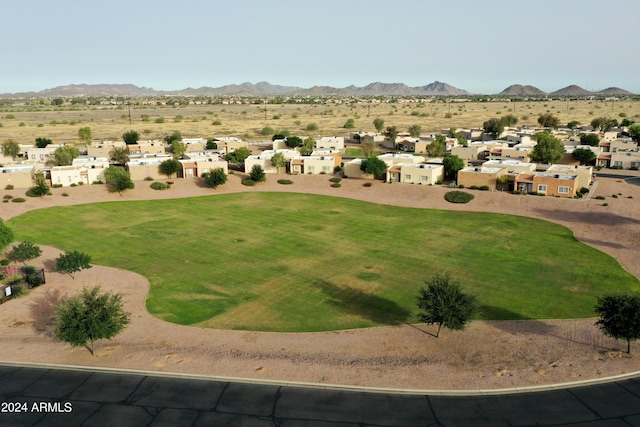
{"x":57,"y":397}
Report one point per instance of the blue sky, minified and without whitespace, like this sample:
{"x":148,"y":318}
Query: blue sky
{"x":479,"y":46}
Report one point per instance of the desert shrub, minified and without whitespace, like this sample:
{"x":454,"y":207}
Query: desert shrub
{"x":615,"y":196}
{"x":231,"y":173}
{"x":65,"y":194}
{"x":458,"y":197}
{"x":28,"y":269}
{"x":97,"y":182}
{"x":7,"y":197}
{"x":148,"y":178}
{"x":248,"y":182}
{"x":34,"y":280}
{"x":159,"y":186}
{"x":336,"y":185}
{"x":18,"y":200}
{"x":605,"y":204}
{"x":18,"y":290}
{"x":216,"y":123}
{"x":335,"y":179}
{"x":439,"y":182}
{"x":367,"y":184}
{"x":8,"y":187}
{"x":57,"y":185}
{"x":473,"y":187}
{"x":484,"y":188}
{"x":337,"y":169}
{"x":600,"y":197}
{"x":461,"y":186}
{"x":4,"y":262}
{"x":285,"y":181}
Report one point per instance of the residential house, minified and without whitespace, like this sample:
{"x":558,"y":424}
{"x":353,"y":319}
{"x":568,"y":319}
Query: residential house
{"x":413,"y":145}
{"x":471,"y":134}
{"x":144,"y":167}
{"x":194,"y":164}
{"x":40,"y":155}
{"x":520,"y":152}
{"x":194,"y":144}
{"x":103,"y":148}
{"x":480,"y":176}
{"x":625,"y":159}
{"x":472,"y":151}
{"x":151,"y":147}
{"x":263,"y":160}
{"x":546,"y":183}
{"x":395,"y":158}
{"x":230,"y":144}
{"x":411,"y":173}
{"x":333,"y":143}
{"x":337,"y":156}
{"x":83,"y":170}
{"x":622,"y":144}
{"x":18,"y":176}
{"x":583,"y":174}
{"x":511,"y":165}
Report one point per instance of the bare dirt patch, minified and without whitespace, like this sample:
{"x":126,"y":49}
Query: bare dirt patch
{"x":489,"y":354}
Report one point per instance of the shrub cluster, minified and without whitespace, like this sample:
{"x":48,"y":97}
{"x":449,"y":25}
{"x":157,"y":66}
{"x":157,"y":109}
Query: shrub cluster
{"x":160,"y":186}
{"x":248,"y":182}
{"x":285,"y":181}
{"x":335,"y":179}
{"x":458,"y":197}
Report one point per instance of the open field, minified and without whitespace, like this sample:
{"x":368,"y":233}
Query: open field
{"x":299,"y":262}
{"x":246,"y":121}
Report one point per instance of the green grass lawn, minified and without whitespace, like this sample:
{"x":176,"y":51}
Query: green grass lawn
{"x":297,"y":262}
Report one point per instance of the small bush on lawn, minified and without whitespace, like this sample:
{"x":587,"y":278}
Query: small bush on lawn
{"x":484,"y":188}
{"x":458,"y":197}
{"x":159,"y":186}
{"x":335,"y":179}
{"x":285,"y":181}
{"x":18,"y":200}
{"x":248,"y":182}
{"x":336,"y":185}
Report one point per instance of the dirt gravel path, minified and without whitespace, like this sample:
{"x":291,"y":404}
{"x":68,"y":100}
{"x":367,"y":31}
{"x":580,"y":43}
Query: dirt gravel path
{"x":488,"y":354}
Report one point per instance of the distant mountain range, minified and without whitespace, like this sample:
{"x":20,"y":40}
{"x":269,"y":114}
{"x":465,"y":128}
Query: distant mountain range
{"x":264,"y":88}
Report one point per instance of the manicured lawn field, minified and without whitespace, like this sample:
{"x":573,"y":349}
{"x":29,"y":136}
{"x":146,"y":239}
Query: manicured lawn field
{"x":297,"y":262}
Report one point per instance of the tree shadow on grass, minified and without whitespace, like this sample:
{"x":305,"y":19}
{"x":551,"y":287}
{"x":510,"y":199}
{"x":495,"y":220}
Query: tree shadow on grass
{"x":43,"y":311}
{"x":372,"y":307}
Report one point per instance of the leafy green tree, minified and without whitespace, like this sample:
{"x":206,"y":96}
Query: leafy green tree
{"x":591,"y":139}
{"x":509,"y":120}
{"x":84,"y":134}
{"x":211,"y":145}
{"x":443,"y":302}
{"x":452,"y":164}
{"x":11,"y":148}
{"x":293,"y":142}
{"x":437,"y":146}
{"x":620,"y":316}
{"x":462,"y":140}
{"x":391,"y":133}
{"x":548,"y":149}
{"x":626,"y":122}
{"x":308,"y":145}
{"x":494,"y":126}
{"x":603,"y":124}
{"x":41,"y":188}
{"x":415,"y":131}
{"x":178,"y":149}
{"x":130,"y":137}
{"x":72,"y":262}
{"x":63,"y":156}
{"x":238,"y":156}
{"x":118,"y":179}
{"x":25,"y":251}
{"x":368,"y":147}
{"x":634,"y":132}
{"x":374,"y":166}
{"x":573,"y":124}
{"x":175,"y":136}
{"x":90,"y":316}
{"x":215,"y":177}
{"x":6,"y":235}
{"x":280,"y":135}
{"x":584,"y":155}
{"x":548,"y":120}
{"x":349,"y":124}
{"x":257,"y":174}
{"x":119,"y":155}
{"x":169,"y":167}
{"x":378,"y":123}
{"x":278,"y":161}
{"x":43,"y":142}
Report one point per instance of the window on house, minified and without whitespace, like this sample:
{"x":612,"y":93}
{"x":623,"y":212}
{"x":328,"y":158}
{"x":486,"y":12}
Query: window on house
{"x":325,"y":168}
{"x":563,"y":190}
{"x":407,"y":177}
{"x":424,"y":178}
{"x":542,"y":188}
{"x":617,"y":164}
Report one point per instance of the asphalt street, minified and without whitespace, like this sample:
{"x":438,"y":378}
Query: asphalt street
{"x":61,"y":397}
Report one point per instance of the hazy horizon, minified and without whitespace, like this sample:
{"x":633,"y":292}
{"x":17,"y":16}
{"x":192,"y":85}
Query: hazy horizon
{"x":481,"y":47}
